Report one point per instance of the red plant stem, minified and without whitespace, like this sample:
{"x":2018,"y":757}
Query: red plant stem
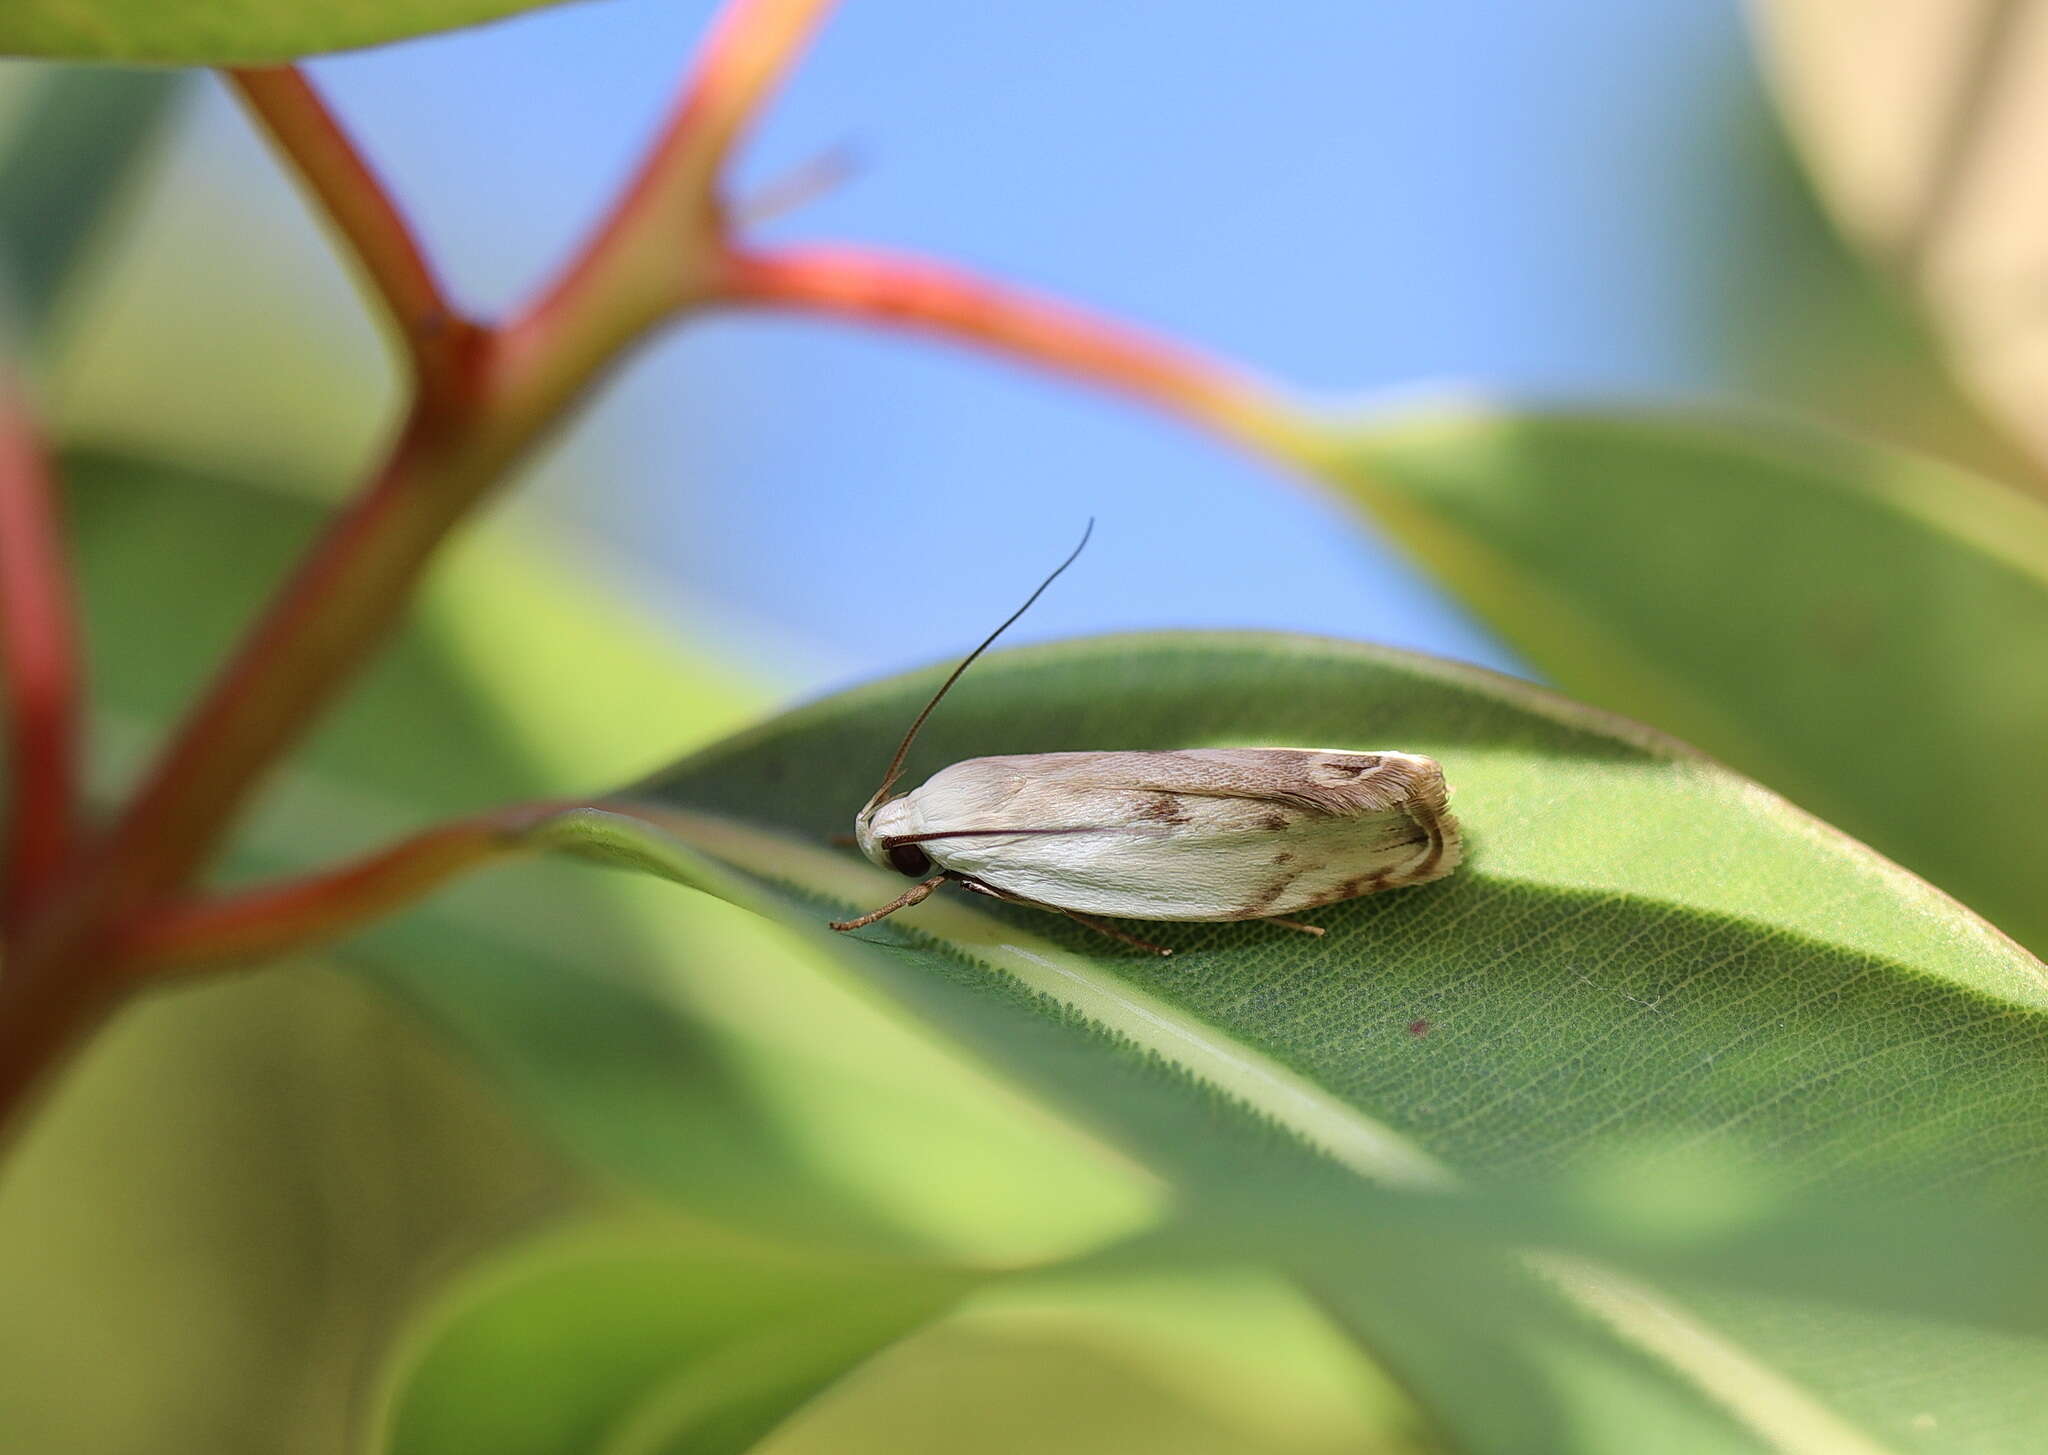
{"x":272,"y":919}
{"x":330,"y":615}
{"x":749,"y":52}
{"x":39,"y":655}
{"x":313,"y":143}
{"x":483,"y":398}
{"x":43,"y":1018}
{"x":910,"y":292}
{"x":504,"y":390}
{"x":501,"y":391}
{"x":651,"y":256}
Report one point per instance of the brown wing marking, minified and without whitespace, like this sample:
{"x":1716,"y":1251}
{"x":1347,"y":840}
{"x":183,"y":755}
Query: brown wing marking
{"x":1324,"y":783}
{"x":1268,"y":895}
{"x":1167,"y":808}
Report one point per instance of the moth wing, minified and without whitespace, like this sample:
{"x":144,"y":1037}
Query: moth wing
{"x":1205,"y":834}
{"x":1324,"y":780}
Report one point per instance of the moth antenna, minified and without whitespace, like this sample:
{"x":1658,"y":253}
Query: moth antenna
{"x":895,"y":769}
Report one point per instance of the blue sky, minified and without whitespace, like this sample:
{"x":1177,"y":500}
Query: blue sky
{"x":1355,"y":198}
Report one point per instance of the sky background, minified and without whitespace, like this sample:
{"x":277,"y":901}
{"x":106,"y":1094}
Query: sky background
{"x":1360,"y":199}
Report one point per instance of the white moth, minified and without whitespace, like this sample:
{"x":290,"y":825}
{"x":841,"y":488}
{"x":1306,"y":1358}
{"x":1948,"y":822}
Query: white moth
{"x":1197,"y":834}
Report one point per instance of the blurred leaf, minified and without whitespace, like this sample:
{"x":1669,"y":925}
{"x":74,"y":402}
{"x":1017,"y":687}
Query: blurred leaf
{"x":644,"y":1341}
{"x":1858,"y":628}
{"x":217,"y":301}
{"x":1645,"y":950}
{"x":228,"y":32}
{"x":230,"y":1204}
{"x":1133,"y":1365}
{"x":64,"y":162}
{"x":1924,"y":126}
{"x":1799,"y":317}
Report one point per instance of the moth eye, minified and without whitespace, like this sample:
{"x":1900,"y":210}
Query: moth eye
{"x":910,"y":859}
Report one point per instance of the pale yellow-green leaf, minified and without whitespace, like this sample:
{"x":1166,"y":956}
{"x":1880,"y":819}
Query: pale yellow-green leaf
{"x":1925,"y":125}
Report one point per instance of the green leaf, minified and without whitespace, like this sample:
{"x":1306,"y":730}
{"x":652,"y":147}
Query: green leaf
{"x":63,"y":166}
{"x":1857,"y":628}
{"x":638,"y":1341}
{"x":1648,"y":963}
{"x":228,"y":32}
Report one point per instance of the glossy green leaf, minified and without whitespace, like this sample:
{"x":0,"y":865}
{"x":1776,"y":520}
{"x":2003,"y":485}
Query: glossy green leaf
{"x":1857,"y":628}
{"x":228,"y":32}
{"x":1650,"y":971}
{"x":637,"y":1342}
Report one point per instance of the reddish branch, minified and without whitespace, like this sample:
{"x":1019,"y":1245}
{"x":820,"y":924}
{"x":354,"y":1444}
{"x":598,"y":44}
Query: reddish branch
{"x":255,"y":924}
{"x":502,"y":391}
{"x":482,"y":398}
{"x":750,"y":50}
{"x":331,"y":615}
{"x":656,"y":252}
{"x":39,"y":655}
{"x":355,"y":201}
{"x":932,"y":297}
{"x":42,"y":1019}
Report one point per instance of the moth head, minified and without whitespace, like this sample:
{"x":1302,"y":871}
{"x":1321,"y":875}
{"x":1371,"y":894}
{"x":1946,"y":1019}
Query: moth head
{"x":879,"y":822}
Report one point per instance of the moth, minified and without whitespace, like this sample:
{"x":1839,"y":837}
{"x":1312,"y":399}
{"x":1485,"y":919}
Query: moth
{"x":1191,"y":835}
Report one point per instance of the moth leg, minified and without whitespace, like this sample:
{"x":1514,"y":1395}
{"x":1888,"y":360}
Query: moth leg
{"x":842,"y":841}
{"x":1080,"y":919}
{"x":1295,"y":924}
{"x":916,"y":894}
{"x":1112,"y":931}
